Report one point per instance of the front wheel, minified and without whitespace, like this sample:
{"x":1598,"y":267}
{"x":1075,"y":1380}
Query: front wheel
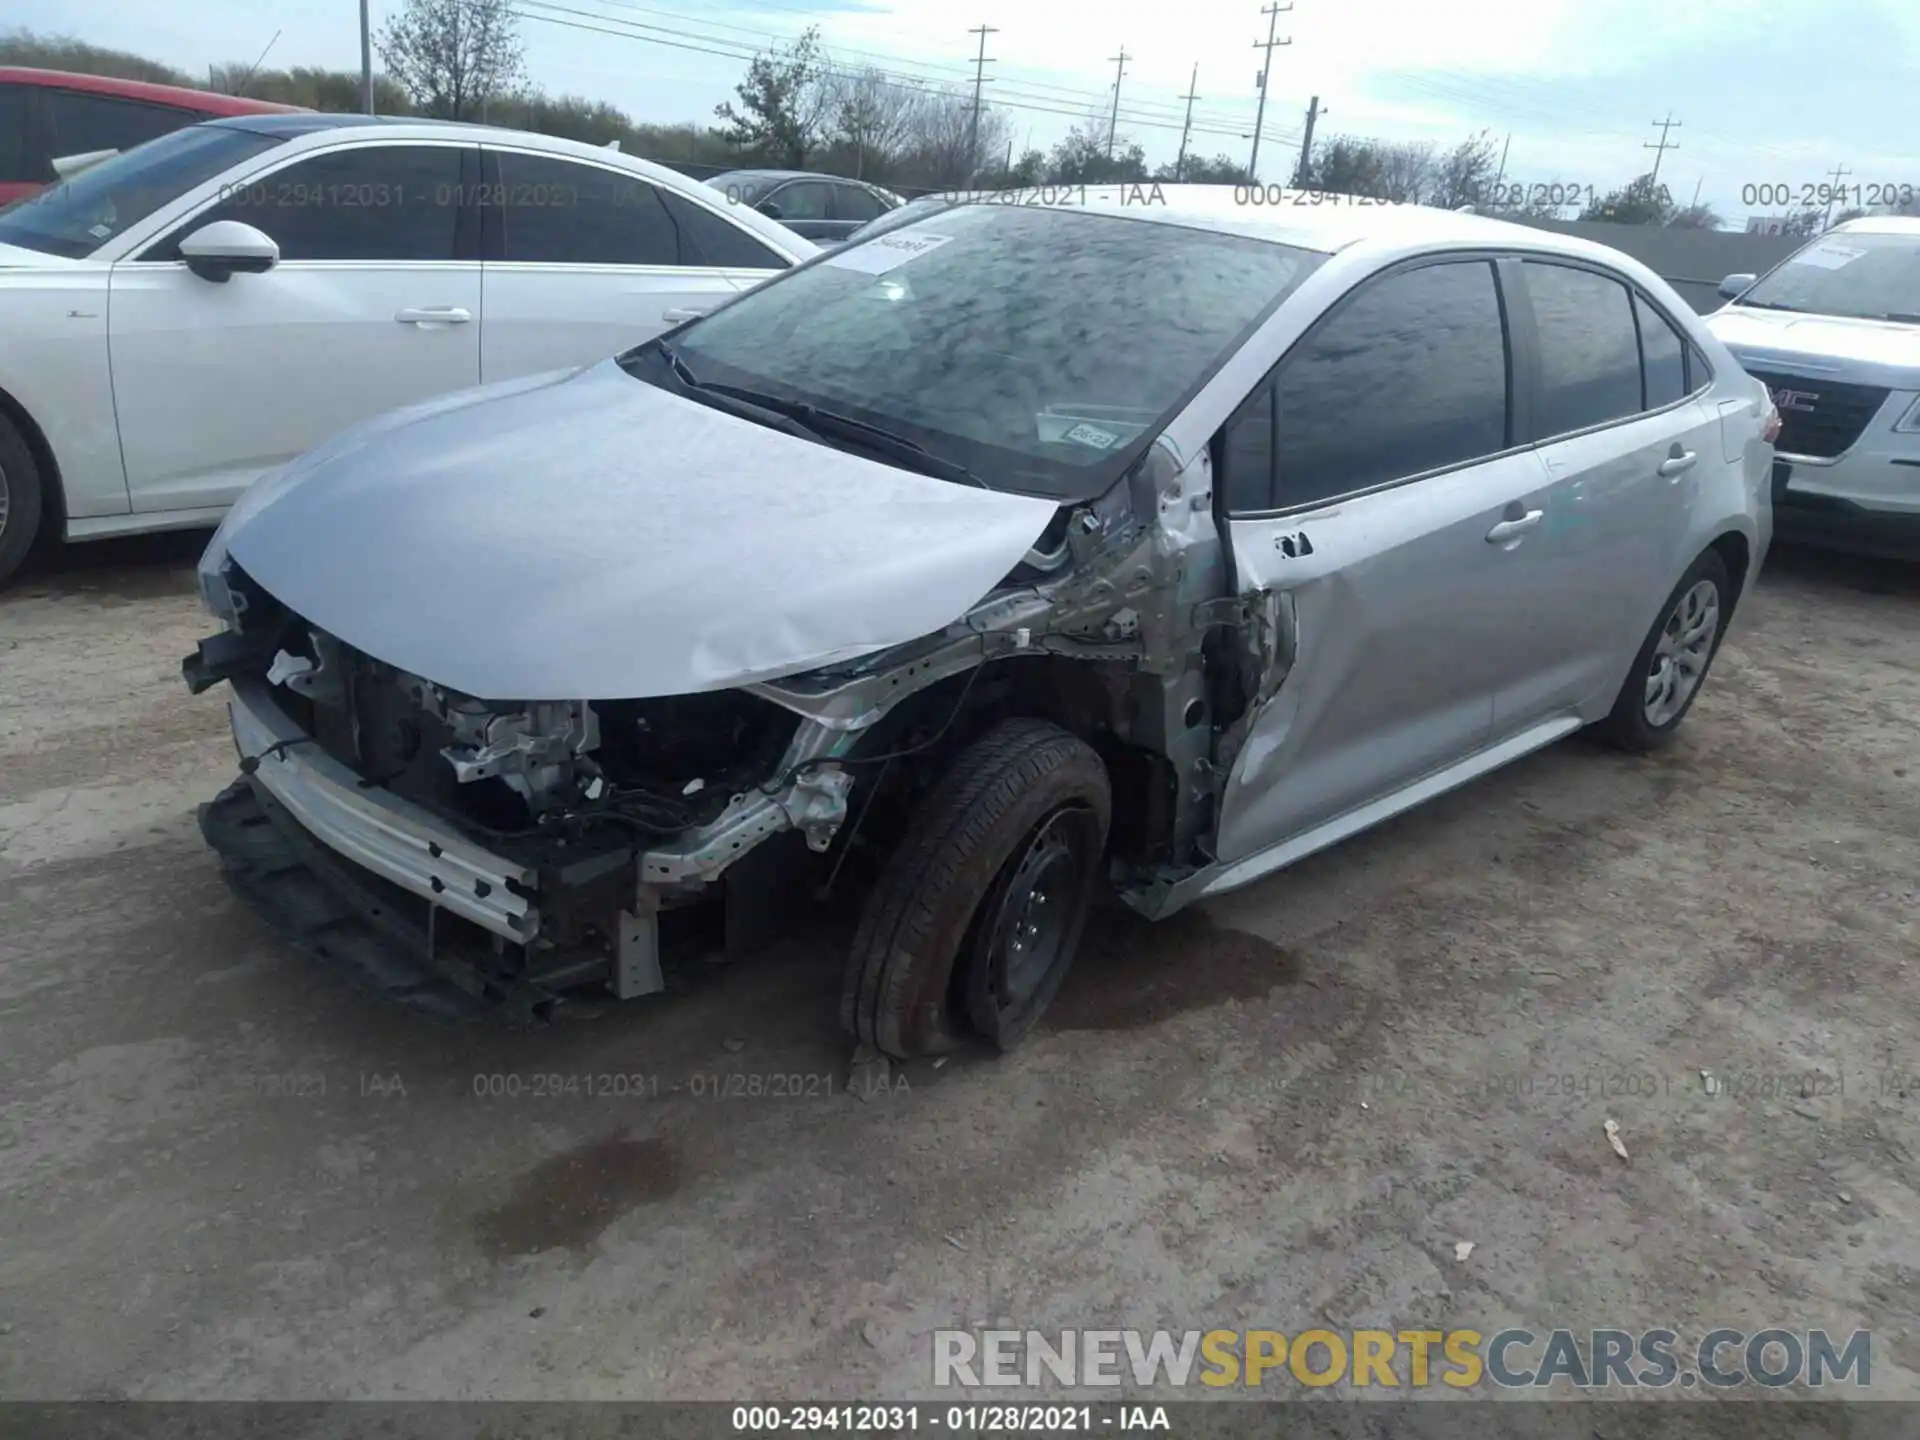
{"x":976,"y":917}
{"x":1672,"y":663}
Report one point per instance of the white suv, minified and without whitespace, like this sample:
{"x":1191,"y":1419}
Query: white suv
{"x":1834,"y":334}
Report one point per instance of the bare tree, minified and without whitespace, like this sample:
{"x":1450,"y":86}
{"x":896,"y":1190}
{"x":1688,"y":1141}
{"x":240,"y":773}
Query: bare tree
{"x":1406,"y":173}
{"x":1465,"y":175}
{"x":1091,"y":155}
{"x":454,"y":56}
{"x":785,"y":103}
{"x":938,"y":149}
{"x":871,"y":117}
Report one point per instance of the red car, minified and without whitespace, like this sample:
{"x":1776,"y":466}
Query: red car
{"x":49,"y":114}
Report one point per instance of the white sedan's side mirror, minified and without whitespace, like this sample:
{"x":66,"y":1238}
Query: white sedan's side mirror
{"x":226,"y":248}
{"x":68,"y":166}
{"x":1735,"y":285}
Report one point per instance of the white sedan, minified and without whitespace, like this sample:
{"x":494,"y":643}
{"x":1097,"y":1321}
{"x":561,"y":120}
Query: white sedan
{"x":183,"y":318}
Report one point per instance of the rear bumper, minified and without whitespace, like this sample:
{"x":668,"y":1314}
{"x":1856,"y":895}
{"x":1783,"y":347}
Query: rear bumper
{"x":1811,"y":506}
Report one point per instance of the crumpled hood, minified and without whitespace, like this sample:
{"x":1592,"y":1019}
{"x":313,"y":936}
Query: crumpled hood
{"x":1866,"y":352}
{"x":590,"y":536}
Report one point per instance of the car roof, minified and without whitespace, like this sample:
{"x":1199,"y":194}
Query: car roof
{"x":1308,"y":220}
{"x":784,"y":175}
{"x":1882,"y":225}
{"x":208,"y":102}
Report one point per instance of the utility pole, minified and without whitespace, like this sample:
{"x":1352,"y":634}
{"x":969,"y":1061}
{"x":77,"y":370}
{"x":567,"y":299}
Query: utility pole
{"x":980,"y":64}
{"x":1119,"y":73}
{"x":1273,"y":14}
{"x":1314,"y":112}
{"x":1840,"y":173}
{"x":1180,"y":165}
{"x":366,"y":60}
{"x":1660,"y":150}
{"x":1505,"y":146}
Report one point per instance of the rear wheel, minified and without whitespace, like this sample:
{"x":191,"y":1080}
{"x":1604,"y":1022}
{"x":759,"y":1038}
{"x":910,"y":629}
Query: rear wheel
{"x":976,"y":917}
{"x":20,"y":500}
{"x":1672,"y":663}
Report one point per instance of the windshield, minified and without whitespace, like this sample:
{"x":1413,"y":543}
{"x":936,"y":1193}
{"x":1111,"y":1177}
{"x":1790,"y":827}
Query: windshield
{"x":76,"y":218}
{"x":1041,"y":349}
{"x":1869,"y":276}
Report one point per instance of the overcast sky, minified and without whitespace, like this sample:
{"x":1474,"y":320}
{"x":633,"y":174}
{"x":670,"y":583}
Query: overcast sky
{"x":1764,"y":92}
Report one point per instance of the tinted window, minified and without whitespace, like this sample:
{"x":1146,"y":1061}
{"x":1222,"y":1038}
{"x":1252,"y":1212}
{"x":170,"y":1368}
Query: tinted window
{"x":1043,"y":348}
{"x":559,"y":213}
{"x":79,"y":123}
{"x":802,"y":200}
{"x":710,"y":239}
{"x":17,"y":167}
{"x":80,"y":216}
{"x":856,"y":202}
{"x":1247,"y":456}
{"x":1410,"y":375}
{"x":1589,"y":350}
{"x":1699,"y":373}
{"x":1664,"y":355}
{"x":383,"y":202}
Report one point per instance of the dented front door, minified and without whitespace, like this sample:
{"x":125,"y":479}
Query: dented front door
{"x":1404,"y":625}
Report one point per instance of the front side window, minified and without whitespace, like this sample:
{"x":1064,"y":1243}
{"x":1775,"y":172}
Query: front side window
{"x":707,"y":239}
{"x":802,"y":200}
{"x":79,"y":122}
{"x":1040,"y":348}
{"x":1408,"y":376}
{"x":1589,"y":348}
{"x":376,"y":202}
{"x":1851,"y":272}
{"x":76,"y":218}
{"x":556,"y":212}
{"x":17,"y":166}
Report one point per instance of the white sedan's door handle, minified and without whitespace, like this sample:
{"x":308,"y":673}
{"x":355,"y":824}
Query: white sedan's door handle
{"x":674,"y":317}
{"x":1674,"y":466}
{"x":1513,"y":529}
{"x":434,"y":315}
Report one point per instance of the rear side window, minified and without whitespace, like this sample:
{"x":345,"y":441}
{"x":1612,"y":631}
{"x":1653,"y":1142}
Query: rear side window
{"x":378,"y":202}
{"x":556,"y":212}
{"x":802,"y":200}
{"x":1409,"y":375}
{"x":856,"y":202}
{"x":1663,"y":356}
{"x":1589,"y":348}
{"x":713,"y":240}
{"x":17,"y":165}
{"x":79,"y":123}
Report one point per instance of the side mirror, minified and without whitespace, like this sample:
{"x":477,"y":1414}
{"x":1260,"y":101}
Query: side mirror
{"x":227,"y":248}
{"x":768,"y":209}
{"x":1735,"y":285}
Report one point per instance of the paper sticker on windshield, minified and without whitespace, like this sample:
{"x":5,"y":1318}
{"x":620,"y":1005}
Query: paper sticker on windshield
{"x":882,"y":254}
{"x":100,"y":232}
{"x":1830,"y":257}
{"x":1085,"y":434}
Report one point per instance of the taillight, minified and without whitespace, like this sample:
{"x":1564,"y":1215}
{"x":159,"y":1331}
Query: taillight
{"x":1770,"y":427}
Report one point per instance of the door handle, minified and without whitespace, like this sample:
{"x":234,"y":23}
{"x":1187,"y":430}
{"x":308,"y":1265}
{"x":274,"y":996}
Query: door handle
{"x":434,"y":315}
{"x":676,"y":316}
{"x":1674,"y":466}
{"x":1513,"y":529}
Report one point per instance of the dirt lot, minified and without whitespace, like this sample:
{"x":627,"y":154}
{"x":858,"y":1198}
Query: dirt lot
{"x":224,"y":1174}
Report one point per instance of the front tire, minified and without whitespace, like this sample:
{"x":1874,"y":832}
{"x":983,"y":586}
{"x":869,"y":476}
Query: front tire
{"x":20,"y":501}
{"x":976,"y":917}
{"x":1671,"y":666}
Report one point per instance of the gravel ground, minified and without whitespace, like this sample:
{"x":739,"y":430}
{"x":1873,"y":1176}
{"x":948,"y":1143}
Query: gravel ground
{"x":223,"y":1174}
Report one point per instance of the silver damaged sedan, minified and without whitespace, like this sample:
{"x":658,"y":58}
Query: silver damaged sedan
{"x":1137,"y":543}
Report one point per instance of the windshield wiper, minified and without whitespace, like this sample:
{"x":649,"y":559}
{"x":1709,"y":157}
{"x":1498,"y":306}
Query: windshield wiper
{"x":741,"y":403}
{"x":816,"y":423}
{"x":1770,"y":305}
{"x":1902,"y":317}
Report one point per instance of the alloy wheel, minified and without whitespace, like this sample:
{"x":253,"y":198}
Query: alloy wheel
{"x":1680,"y":656}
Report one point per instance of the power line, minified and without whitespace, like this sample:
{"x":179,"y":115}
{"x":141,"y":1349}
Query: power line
{"x":1273,"y":13}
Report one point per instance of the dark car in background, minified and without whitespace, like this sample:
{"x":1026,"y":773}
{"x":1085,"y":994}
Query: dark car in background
{"x":49,"y":115}
{"x":818,"y":207}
